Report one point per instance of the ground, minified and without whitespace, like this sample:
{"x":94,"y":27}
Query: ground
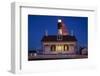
{"x":55,"y":56}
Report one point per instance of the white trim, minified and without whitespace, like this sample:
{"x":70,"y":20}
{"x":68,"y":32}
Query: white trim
{"x":15,"y":52}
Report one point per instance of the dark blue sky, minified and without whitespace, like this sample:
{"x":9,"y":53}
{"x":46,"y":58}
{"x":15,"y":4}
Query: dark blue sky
{"x":37,"y":24}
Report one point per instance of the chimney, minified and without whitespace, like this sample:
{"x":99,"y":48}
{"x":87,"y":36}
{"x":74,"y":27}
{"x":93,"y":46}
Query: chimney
{"x":46,"y":32}
{"x":72,"y":33}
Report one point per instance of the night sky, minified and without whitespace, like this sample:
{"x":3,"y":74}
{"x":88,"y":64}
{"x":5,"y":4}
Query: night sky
{"x":37,"y":24}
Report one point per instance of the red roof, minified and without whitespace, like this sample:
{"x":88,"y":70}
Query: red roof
{"x":54,"y":38}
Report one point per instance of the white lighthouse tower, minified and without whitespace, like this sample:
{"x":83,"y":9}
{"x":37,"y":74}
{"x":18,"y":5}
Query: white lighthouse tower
{"x":62,"y":28}
{"x":59,"y":27}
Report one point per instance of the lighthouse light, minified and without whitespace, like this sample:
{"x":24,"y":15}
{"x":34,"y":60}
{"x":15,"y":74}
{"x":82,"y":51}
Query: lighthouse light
{"x":59,"y":20}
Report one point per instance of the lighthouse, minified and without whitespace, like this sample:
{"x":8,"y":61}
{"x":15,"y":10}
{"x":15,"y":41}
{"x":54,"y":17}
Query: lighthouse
{"x":61,"y":43}
{"x":62,"y":30}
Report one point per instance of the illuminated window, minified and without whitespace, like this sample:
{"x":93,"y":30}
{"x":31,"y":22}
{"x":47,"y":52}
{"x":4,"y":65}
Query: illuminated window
{"x":66,"y":47}
{"x":59,"y":48}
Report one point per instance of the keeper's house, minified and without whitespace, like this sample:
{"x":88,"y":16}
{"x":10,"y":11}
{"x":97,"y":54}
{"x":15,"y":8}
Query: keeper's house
{"x":62,"y":43}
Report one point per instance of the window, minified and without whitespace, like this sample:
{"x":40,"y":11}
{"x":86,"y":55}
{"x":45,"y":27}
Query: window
{"x":72,"y":46}
{"x":53,"y":48}
{"x":59,"y":37}
{"x":59,"y":48}
{"x":66,"y":47}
